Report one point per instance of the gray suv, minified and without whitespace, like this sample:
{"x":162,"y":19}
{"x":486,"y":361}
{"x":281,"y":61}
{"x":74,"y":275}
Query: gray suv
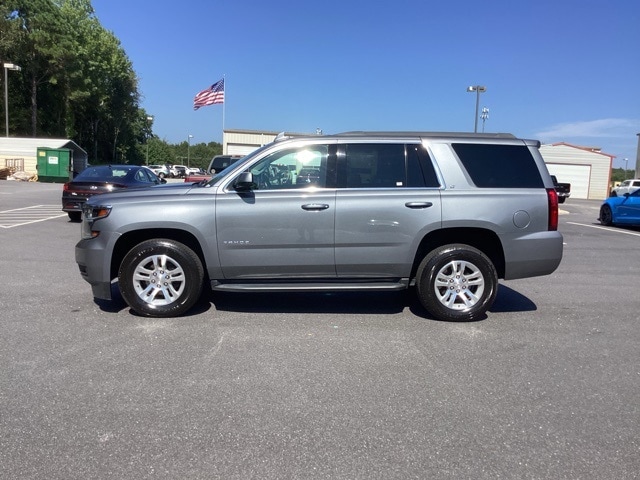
{"x":446,"y":213}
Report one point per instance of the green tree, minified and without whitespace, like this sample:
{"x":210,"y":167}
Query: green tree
{"x":198,"y":155}
{"x":160,"y":152}
{"x":620,"y":174}
{"x":76,"y":81}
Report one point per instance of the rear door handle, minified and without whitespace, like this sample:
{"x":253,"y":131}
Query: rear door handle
{"x":418,"y":204}
{"x":315,"y":206}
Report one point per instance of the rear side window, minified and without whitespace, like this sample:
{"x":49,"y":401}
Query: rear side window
{"x":388,"y":166}
{"x":375,"y":166}
{"x":499,"y":166}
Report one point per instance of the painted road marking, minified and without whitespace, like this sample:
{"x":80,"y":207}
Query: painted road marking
{"x":28,"y":215}
{"x":609,"y":229}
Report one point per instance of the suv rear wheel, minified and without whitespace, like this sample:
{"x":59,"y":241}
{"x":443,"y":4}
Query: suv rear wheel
{"x":457,"y":283}
{"x":161,"y":278}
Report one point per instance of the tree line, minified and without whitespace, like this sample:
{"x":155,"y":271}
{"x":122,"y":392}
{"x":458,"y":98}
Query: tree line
{"x":77,"y":82}
{"x":621,"y":174}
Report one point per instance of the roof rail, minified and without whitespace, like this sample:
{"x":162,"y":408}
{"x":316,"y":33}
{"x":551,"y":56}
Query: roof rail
{"x":424,"y":134}
{"x":281,"y":136}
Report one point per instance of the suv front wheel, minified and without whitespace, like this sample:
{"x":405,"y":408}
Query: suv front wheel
{"x":161,"y":278}
{"x":457,"y":283}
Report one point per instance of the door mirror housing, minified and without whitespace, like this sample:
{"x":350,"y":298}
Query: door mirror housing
{"x":244,"y":182}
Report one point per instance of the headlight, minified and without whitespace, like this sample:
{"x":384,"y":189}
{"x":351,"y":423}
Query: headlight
{"x":90,"y":214}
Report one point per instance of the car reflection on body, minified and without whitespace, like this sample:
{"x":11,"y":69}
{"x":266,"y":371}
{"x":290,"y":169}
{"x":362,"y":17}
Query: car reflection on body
{"x":622,"y":210}
{"x":101,"y":179}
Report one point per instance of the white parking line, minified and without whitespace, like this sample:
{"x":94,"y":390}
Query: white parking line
{"x":27,"y":215}
{"x":609,"y":229}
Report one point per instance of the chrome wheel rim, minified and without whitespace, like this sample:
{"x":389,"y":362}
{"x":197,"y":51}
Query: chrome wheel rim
{"x":459,"y":285}
{"x":159,"y":280}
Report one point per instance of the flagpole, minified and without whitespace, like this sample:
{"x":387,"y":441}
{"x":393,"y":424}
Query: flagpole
{"x":224,"y":106}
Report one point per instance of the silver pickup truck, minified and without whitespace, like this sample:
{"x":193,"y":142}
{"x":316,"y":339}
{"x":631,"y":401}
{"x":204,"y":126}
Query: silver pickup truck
{"x":448,"y":214}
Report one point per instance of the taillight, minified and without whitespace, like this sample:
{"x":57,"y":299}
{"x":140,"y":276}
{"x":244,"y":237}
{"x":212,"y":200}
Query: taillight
{"x":552,"y":199}
{"x":65,"y":187}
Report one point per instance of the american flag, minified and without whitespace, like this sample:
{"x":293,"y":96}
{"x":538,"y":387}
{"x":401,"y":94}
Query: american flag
{"x":210,"y":96}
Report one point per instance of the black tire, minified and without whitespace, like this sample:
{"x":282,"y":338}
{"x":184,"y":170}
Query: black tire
{"x":75,"y":216}
{"x":179,"y":270}
{"x":614,"y":194}
{"x":561,"y":199}
{"x":457,"y":283}
{"x":606,"y":215}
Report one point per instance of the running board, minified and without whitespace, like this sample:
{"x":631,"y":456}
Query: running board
{"x":312,"y":286}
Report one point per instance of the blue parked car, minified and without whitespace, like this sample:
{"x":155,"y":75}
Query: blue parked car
{"x":623,"y":210}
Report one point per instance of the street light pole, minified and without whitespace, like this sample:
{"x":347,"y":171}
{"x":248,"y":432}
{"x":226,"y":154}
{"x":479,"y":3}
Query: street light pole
{"x":150,"y":120}
{"x":626,"y":163}
{"x":478,"y":89}
{"x":7,"y":67}
{"x":189,"y":149}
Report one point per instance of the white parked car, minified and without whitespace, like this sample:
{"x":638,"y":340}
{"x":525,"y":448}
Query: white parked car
{"x":160,"y":170}
{"x":628,"y":186}
{"x":178,"y":171}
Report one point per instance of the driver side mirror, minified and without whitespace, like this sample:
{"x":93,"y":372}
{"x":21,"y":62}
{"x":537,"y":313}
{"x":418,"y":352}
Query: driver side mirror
{"x":244,"y":182}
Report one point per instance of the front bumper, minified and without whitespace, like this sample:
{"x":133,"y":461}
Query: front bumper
{"x":94,"y":267}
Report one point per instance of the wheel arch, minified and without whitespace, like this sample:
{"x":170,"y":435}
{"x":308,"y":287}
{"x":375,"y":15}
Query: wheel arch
{"x":484,"y":240}
{"x":127,"y":241}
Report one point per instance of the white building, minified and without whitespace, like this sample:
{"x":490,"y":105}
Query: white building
{"x":243,"y":142}
{"x":588,"y":170}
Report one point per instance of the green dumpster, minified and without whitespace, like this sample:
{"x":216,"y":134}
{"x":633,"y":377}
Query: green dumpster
{"x":53,"y":164}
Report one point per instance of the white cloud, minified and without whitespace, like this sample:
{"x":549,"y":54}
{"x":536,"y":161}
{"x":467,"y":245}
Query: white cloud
{"x":604,"y":128}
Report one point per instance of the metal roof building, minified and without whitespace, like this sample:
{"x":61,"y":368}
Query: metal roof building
{"x":23,"y":151}
{"x":587,"y":169}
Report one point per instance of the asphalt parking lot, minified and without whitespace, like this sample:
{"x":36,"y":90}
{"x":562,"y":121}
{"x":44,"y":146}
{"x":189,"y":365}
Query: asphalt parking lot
{"x":354,"y":386}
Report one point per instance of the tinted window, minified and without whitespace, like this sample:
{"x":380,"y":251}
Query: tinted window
{"x":375,"y":166}
{"x":146,"y":175}
{"x":499,"y":166}
{"x":420,"y":171}
{"x":140,"y":176}
{"x":388,"y":166}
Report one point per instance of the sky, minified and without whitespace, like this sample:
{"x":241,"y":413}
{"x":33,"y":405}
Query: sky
{"x":554,"y":70}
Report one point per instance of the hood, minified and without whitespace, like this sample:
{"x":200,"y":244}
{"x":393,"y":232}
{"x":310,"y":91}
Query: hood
{"x":127,"y":194}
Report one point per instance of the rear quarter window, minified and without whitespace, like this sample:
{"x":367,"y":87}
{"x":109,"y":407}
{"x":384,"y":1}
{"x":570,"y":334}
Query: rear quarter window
{"x":499,"y":166}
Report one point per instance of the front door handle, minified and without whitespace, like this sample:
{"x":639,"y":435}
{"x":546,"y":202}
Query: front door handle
{"x":418,"y":204}
{"x":315,"y":207}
